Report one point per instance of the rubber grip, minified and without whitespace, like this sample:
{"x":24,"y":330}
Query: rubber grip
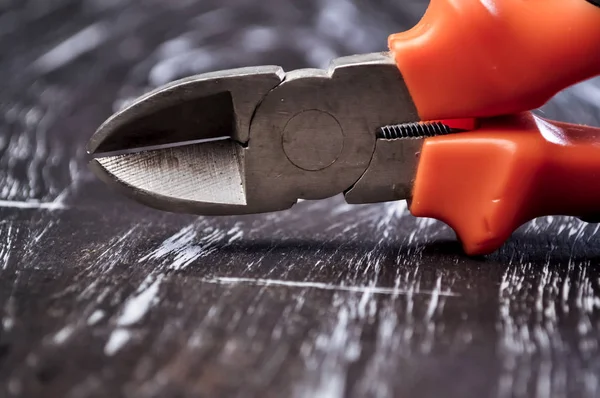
{"x":482,"y":58}
{"x":486,"y":183}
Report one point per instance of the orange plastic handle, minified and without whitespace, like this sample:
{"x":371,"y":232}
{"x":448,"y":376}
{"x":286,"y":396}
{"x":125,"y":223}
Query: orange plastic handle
{"x":487,"y":183}
{"x":482,"y":58}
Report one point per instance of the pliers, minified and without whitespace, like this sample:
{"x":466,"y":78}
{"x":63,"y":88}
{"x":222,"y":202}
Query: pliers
{"x":441,"y":120}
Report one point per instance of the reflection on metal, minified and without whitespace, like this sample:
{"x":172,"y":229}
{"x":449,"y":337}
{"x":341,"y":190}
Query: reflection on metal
{"x":550,"y":132}
{"x":197,"y":173}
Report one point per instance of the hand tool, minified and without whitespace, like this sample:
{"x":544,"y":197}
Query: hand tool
{"x":441,"y":120}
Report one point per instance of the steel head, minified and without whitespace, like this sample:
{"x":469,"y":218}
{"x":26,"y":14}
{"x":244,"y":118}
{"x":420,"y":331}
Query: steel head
{"x":253,"y":140}
{"x":219,"y":104}
{"x":180,"y":147}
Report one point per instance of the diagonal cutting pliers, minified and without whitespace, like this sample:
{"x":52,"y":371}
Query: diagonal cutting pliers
{"x":442,"y":120}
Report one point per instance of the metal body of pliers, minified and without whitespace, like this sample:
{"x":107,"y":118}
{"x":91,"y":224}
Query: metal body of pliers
{"x":257,"y":139}
{"x":382,"y":126}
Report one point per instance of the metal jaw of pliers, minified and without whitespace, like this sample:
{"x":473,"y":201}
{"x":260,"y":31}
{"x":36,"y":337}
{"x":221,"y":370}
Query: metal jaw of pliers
{"x":442,"y":120}
{"x":256,"y":140}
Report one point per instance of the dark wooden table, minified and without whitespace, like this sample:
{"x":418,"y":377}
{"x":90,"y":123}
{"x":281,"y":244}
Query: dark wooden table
{"x":101,"y":297}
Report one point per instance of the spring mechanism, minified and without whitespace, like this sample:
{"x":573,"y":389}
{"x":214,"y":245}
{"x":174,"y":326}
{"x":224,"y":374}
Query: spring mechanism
{"x":413,"y":130}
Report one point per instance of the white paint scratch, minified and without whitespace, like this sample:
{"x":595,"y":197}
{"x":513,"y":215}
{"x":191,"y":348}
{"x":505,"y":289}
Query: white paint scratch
{"x":134,"y":310}
{"x":96,"y":317}
{"x":390,"y":215}
{"x":118,"y":243}
{"x":136,"y":307}
{"x":533,"y":305}
{"x":435,"y":298}
{"x":323,"y":286}
{"x":187,"y":245}
{"x":43,"y":232}
{"x":341,"y":347}
{"x":72,"y":48}
{"x":6,"y":246}
{"x":8,"y":323}
{"x":117,"y":340}
{"x":115,"y":251}
{"x":63,"y":335}
{"x":176,"y":252}
{"x":56,"y":205}
{"x":175,"y":244}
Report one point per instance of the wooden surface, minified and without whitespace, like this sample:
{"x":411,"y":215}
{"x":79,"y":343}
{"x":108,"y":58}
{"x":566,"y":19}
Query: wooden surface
{"x":100,"y":297}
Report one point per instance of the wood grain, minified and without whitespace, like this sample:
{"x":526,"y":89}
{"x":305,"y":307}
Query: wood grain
{"x":101,"y":297}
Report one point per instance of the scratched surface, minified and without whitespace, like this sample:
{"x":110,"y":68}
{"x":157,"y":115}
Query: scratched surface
{"x":100,"y":297}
